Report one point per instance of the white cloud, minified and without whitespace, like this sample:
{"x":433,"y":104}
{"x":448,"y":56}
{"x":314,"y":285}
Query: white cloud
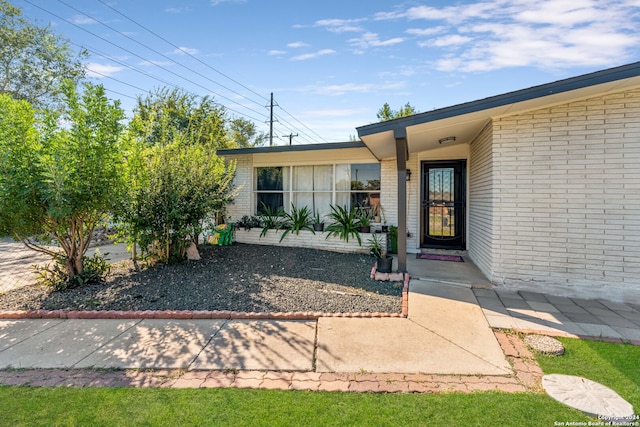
{"x":275,"y":52}
{"x":101,"y":70}
{"x":346,"y":88}
{"x":185,"y":51}
{"x":82,"y":20}
{"x":296,"y":45}
{"x":426,"y":31}
{"x":494,"y":34}
{"x":368,"y":40}
{"x":444,"y":41}
{"x":340,"y":25}
{"x":313,"y":55}
{"x":177,"y":9}
{"x":219,"y":2}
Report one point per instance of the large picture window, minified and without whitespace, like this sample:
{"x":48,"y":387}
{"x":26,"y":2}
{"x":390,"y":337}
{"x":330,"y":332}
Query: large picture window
{"x":318,"y":187}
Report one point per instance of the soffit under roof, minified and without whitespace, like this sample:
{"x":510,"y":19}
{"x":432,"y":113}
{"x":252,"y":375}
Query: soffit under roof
{"x":466,"y":121}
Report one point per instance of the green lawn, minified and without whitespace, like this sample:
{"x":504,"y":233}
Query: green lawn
{"x":234,"y":407}
{"x":614,"y":365}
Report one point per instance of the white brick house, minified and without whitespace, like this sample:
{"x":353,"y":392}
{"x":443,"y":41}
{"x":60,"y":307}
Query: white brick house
{"x":540,"y":186}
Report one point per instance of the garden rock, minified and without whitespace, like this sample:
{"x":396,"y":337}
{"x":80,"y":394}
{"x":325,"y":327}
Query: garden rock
{"x":192,"y":252}
{"x":544,"y":344}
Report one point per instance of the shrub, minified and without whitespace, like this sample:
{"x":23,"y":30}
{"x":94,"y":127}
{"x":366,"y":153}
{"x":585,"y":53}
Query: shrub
{"x":55,"y":276}
{"x":248,"y":222}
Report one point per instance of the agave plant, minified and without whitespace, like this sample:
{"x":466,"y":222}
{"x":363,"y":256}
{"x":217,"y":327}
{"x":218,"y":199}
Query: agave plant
{"x":270,"y":219}
{"x":345,"y":223}
{"x":296,"y":220}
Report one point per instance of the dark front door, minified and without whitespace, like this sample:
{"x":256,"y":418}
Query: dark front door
{"x":443,"y":204}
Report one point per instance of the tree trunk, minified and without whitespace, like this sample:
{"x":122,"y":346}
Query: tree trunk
{"x":73,"y":263}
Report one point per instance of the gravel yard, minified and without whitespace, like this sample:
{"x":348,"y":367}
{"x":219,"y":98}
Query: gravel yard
{"x":240,"y":277}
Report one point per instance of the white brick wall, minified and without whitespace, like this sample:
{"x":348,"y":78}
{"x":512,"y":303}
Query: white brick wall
{"x":480,"y":202}
{"x":243,"y":182}
{"x":389,"y":191}
{"x":567,"y":198}
{"x":389,"y":198}
{"x":307,"y":239}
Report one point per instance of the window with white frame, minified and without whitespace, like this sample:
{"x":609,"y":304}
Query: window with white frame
{"x":318,"y":186}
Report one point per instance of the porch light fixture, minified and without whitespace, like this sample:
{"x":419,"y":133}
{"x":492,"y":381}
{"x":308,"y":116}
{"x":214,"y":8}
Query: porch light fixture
{"x":408,"y":174}
{"x":446,"y":139}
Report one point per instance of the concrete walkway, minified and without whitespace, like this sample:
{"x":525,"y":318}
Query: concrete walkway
{"x":445,"y":333}
{"x":530,"y":311}
{"x":445,"y":344}
{"x":560,"y":316}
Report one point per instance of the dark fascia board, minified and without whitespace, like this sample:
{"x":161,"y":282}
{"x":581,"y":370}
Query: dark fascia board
{"x":292,"y":148}
{"x":560,"y":86}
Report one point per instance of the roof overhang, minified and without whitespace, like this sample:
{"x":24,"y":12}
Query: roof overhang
{"x":465,"y":121}
{"x":292,"y":148}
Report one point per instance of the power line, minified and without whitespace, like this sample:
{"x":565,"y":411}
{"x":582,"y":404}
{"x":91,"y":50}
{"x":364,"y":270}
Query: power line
{"x":136,"y":55}
{"x":116,"y":80}
{"x":311,"y":130}
{"x":177,"y":47}
{"x":273,"y":118}
{"x":124,"y":64}
{"x":165,"y":57}
{"x":206,"y":65}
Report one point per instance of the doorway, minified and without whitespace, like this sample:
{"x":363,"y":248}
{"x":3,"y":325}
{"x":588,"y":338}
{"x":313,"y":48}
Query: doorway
{"x":444,"y":204}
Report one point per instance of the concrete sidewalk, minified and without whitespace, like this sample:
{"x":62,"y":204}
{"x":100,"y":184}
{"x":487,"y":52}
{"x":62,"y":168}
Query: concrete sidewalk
{"x":445,"y":333}
{"x":446,"y":343}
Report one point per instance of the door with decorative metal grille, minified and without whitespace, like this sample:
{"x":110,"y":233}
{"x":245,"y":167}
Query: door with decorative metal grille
{"x":443,"y":204}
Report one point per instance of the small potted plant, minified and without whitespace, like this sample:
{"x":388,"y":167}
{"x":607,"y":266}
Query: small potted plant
{"x":385,"y":262}
{"x":364,"y":220}
{"x":384,"y":227}
{"x":318,"y":224}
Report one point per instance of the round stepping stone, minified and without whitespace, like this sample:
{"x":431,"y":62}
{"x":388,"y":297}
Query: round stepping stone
{"x":544,"y":344}
{"x":587,"y":396}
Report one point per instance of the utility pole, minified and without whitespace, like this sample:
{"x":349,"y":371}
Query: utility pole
{"x":290,"y":136}
{"x":271,"y":121}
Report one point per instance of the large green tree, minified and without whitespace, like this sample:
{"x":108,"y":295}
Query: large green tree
{"x":173,"y":189}
{"x":244,"y":134}
{"x":60,"y":177}
{"x":34,"y":60}
{"x":175,"y":180}
{"x":167,"y":115}
{"x":387,"y":113}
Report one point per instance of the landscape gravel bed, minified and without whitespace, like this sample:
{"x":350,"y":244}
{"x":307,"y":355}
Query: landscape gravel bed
{"x":240,"y":277}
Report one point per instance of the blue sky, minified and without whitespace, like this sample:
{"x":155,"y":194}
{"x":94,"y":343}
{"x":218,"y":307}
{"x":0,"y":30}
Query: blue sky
{"x":332,"y":64}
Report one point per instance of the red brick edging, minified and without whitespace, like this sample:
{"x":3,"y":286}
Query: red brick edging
{"x":526,"y":378}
